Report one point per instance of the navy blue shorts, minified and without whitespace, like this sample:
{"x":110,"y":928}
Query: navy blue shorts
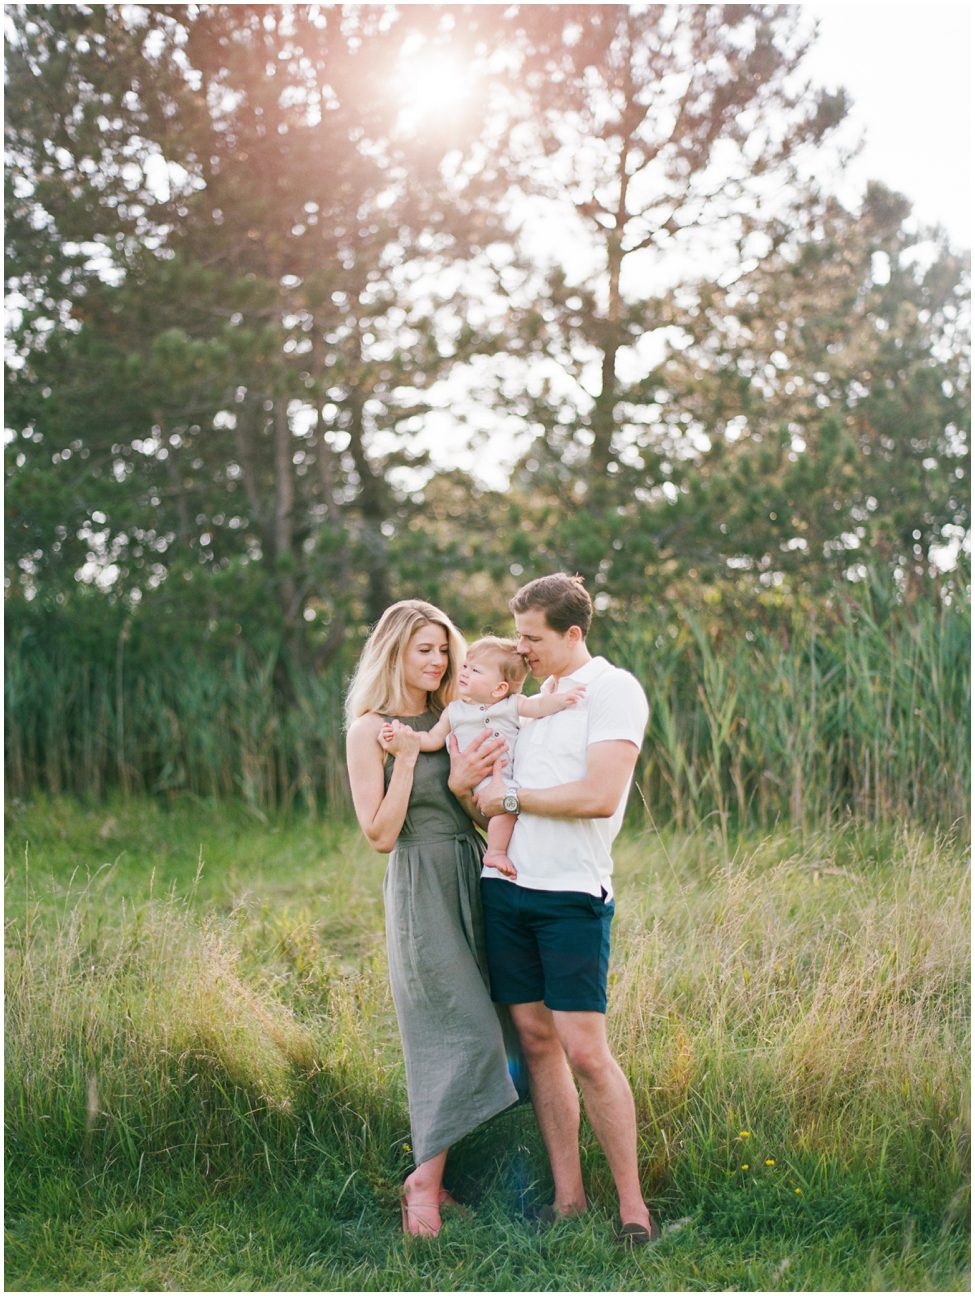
{"x":551,"y":946}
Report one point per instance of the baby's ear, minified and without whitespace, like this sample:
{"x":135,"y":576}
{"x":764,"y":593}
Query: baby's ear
{"x":502,"y":689}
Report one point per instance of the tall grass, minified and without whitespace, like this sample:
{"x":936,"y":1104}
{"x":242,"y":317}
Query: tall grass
{"x":867,"y":712}
{"x":861,"y":706}
{"x":156,"y":1046}
{"x":816,"y":991}
{"x":794,"y":1023}
{"x":79,"y":726}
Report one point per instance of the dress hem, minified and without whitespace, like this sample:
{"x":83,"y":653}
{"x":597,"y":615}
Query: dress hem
{"x":467,"y":1128}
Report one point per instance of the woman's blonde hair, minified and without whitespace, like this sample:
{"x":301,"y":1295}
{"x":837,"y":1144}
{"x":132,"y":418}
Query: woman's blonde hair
{"x":377,"y":684}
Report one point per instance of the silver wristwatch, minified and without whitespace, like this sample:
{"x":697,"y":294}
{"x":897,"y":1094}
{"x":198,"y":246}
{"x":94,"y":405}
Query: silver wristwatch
{"x":510,"y":803}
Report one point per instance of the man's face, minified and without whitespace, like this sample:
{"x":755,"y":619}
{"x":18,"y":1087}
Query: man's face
{"x":546,"y":650}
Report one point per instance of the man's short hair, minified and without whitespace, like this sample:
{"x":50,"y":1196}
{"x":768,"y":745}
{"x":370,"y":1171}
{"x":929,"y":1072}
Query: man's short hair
{"x":510,"y":664}
{"x":564,"y":599}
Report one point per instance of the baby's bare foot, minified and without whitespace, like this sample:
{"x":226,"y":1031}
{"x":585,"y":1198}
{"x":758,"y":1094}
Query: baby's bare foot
{"x":498,"y":860}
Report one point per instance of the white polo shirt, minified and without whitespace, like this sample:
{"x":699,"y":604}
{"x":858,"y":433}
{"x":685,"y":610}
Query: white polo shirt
{"x":573,"y":854}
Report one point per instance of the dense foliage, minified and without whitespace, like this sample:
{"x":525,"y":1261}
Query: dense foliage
{"x":292,"y":337}
{"x":807,"y":713}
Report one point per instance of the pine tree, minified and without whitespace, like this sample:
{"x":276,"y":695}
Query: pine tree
{"x":831,"y":380}
{"x":241,"y":351}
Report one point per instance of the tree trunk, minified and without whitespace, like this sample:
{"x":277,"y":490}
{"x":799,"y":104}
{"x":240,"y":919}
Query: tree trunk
{"x":284,"y":501}
{"x":246,"y":429}
{"x":373,"y":505}
{"x":373,"y":494}
{"x":328,"y":480}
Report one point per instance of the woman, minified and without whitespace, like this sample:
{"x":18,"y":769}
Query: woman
{"x":456,"y":1070}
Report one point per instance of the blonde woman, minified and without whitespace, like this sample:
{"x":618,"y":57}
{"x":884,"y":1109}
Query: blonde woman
{"x":456,"y":1067}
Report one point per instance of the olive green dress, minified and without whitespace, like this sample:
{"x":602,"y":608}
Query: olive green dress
{"x":456,"y":1066}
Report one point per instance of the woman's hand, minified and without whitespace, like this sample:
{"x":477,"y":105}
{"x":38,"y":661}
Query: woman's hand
{"x":474,"y":763}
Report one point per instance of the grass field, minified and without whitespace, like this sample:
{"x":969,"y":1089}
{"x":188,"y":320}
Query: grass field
{"x":204,"y":1089}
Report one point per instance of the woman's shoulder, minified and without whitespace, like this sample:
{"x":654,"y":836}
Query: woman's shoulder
{"x":365,"y":726}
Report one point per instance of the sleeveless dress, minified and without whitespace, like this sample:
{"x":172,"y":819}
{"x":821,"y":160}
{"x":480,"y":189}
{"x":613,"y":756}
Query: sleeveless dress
{"x":457,"y":1072}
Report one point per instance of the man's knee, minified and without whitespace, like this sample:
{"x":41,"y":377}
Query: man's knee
{"x":536,"y":1030}
{"x":586,"y":1046}
{"x":590,"y":1060}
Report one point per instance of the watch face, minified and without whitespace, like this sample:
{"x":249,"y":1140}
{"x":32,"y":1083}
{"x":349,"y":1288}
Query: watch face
{"x":510,"y":803}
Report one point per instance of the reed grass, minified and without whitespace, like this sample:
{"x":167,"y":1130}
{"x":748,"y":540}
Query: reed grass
{"x":857,"y":706}
{"x":867,"y":714}
{"x":204,"y":1086}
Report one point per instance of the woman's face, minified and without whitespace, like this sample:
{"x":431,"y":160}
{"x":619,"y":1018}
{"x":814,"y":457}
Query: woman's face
{"x":426,"y":658}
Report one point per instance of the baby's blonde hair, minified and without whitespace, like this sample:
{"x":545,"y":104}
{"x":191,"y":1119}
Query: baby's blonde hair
{"x":377,"y":684}
{"x":505,"y":655}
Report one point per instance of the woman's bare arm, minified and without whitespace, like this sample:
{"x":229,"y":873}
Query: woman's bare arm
{"x":381,"y":811}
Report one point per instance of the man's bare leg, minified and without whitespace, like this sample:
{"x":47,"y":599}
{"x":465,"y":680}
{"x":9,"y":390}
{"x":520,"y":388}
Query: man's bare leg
{"x":609,"y":1104}
{"x":555,"y":1100}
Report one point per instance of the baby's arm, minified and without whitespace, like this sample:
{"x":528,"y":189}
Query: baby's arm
{"x":432,"y":740}
{"x":546,"y":704}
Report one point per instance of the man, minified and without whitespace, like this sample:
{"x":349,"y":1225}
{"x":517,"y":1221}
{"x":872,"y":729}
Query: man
{"x":547,"y":929}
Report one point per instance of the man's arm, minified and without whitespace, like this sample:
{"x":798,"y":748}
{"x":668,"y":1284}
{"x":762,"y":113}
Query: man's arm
{"x":609,"y":767}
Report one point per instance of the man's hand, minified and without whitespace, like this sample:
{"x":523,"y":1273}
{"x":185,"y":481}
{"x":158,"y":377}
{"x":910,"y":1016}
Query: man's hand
{"x":488,"y":800}
{"x":476,"y":762}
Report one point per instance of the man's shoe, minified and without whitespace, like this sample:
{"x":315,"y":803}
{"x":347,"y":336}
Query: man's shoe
{"x":547,"y":1216}
{"x":638,"y":1235}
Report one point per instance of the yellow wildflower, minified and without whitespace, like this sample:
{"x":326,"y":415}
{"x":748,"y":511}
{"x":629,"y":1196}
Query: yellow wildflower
{"x":744,"y":1134}
{"x":799,"y":1191}
{"x":770,"y":1160}
{"x":746,"y":1166}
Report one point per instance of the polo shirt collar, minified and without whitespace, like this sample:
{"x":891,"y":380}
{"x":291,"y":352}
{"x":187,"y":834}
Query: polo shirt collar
{"x":592,"y":670}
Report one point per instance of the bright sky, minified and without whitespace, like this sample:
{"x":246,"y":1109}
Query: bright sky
{"x":908,"y":68}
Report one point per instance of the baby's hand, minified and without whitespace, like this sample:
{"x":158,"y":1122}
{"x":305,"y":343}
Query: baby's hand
{"x":388,"y":732}
{"x":570,"y":698}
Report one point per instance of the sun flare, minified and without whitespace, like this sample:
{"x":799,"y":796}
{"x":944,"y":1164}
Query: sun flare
{"x":433,"y":83}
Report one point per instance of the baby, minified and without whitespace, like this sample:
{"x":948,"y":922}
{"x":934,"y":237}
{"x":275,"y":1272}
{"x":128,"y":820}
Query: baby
{"x":490,"y":683}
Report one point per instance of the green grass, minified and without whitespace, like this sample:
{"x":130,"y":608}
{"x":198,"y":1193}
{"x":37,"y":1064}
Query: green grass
{"x":204,"y":1088}
{"x":856,"y":704}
